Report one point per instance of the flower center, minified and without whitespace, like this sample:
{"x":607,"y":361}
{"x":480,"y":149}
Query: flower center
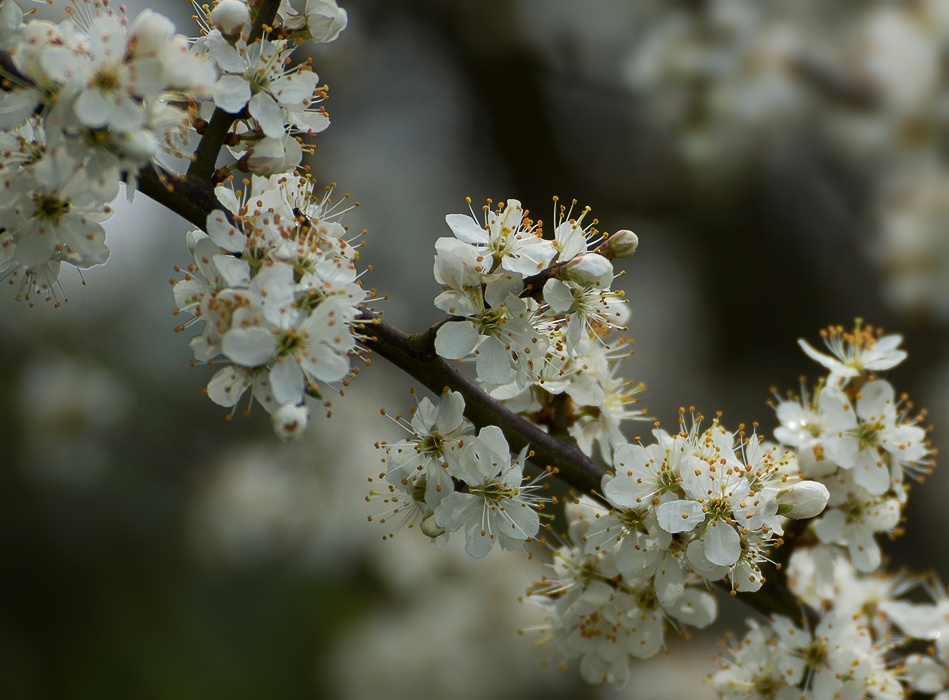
{"x":667,"y":479}
{"x":867,"y":434}
{"x":491,"y":320}
{"x":815,"y":655}
{"x":647,"y":599}
{"x":106,"y":81}
{"x":51,"y":208}
{"x":290,"y":343}
{"x":718,"y":508}
{"x":632,"y":519}
{"x":418,"y":490}
{"x":495,"y":491}
{"x":96,"y":138}
{"x":431,"y":444}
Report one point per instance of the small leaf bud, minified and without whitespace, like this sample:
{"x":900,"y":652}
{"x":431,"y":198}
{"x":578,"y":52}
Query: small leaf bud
{"x":622,"y":244}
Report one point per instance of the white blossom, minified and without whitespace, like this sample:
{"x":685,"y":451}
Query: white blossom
{"x":419,"y":465}
{"x":853,"y":354}
{"x":497,"y":508}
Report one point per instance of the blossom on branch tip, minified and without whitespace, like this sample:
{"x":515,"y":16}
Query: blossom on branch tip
{"x":855,"y":353}
{"x":507,"y":236}
{"x":322,"y":20}
{"x":867,"y":436}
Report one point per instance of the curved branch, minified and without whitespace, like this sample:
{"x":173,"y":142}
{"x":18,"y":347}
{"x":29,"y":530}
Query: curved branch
{"x":415,"y":355}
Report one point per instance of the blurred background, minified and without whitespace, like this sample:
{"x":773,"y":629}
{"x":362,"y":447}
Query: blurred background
{"x":784,"y":165}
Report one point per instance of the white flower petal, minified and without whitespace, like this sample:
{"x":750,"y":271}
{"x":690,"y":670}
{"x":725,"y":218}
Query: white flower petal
{"x":456,"y":340}
{"x":268,"y":114}
{"x":722,"y":544}
{"x":696,"y":608}
{"x":558,"y":296}
{"x":231,"y":93}
{"x":249,"y":347}
{"x":864,"y":550}
{"x":223,"y":234}
{"x":286,"y":381}
{"x":227,"y":386}
{"x":494,"y":362}
{"x":234,"y":271}
{"x":467,"y":229}
{"x":295,"y":89}
{"x":311,"y":121}
{"x":876,"y":401}
{"x":680,"y":516}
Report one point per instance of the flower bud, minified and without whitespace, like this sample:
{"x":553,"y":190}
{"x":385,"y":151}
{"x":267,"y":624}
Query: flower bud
{"x":150,"y":33}
{"x":231,"y":16}
{"x":430,"y":528}
{"x":290,"y":421}
{"x":589,"y":268}
{"x":324,"y":20}
{"x":269,"y":156}
{"x":805,"y":499}
{"x":621,"y":244}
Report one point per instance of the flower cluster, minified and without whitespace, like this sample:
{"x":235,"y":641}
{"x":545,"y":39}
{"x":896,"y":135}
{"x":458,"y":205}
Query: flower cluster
{"x":856,"y":437}
{"x":275,"y":286}
{"x":275,"y":101}
{"x":88,"y":100}
{"x":606,"y":618}
{"x":704,"y":505}
{"x":689,"y":509}
{"x":838,"y":658}
{"x":872,"y":642}
{"x":536,"y":314}
{"x":454,"y":480}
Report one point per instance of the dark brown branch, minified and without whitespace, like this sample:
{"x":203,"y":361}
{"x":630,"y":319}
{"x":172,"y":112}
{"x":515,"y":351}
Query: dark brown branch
{"x":415,"y":355}
{"x":191,"y":200}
